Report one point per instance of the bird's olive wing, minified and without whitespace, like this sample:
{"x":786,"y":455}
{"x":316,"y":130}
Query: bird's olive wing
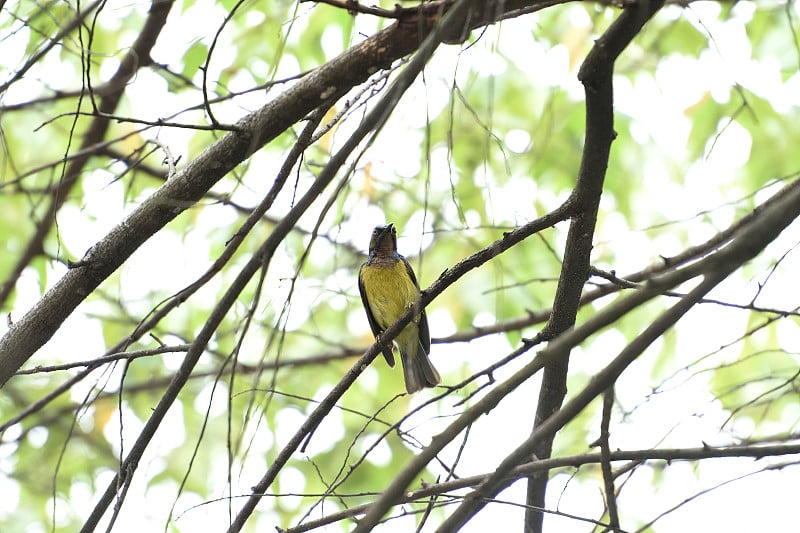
{"x":424,"y":332}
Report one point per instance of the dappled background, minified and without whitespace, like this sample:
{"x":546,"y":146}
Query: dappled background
{"x":210,"y":322}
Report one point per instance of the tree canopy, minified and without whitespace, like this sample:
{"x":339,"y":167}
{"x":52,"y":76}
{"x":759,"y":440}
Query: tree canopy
{"x":599,"y":200}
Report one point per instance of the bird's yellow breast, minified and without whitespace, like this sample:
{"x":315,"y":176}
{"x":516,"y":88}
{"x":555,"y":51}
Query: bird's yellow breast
{"x":390,"y":291}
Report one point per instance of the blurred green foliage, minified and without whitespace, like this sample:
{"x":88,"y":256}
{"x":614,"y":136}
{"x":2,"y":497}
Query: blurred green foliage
{"x":308,"y":305}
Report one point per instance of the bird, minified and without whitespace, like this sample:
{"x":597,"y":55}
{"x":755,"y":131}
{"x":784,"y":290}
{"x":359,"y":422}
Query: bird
{"x":388,"y":289}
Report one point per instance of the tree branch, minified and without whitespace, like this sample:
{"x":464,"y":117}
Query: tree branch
{"x":756,"y":451}
{"x":596,"y":75}
{"x":605,"y":460}
{"x":52,"y":42}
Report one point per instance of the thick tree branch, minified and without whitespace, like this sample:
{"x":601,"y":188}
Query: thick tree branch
{"x":596,"y":75}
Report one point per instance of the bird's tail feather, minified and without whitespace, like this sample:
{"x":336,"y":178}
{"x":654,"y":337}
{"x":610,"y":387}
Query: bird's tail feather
{"x":418,"y":371}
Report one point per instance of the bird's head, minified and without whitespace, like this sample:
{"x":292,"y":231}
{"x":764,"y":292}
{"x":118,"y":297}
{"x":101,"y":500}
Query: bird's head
{"x":383,"y":240}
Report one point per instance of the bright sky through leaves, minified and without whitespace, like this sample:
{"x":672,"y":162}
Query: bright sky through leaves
{"x":707,"y":108}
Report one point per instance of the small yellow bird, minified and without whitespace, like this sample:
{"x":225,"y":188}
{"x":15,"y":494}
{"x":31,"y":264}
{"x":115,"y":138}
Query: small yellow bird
{"x":388,"y":289}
